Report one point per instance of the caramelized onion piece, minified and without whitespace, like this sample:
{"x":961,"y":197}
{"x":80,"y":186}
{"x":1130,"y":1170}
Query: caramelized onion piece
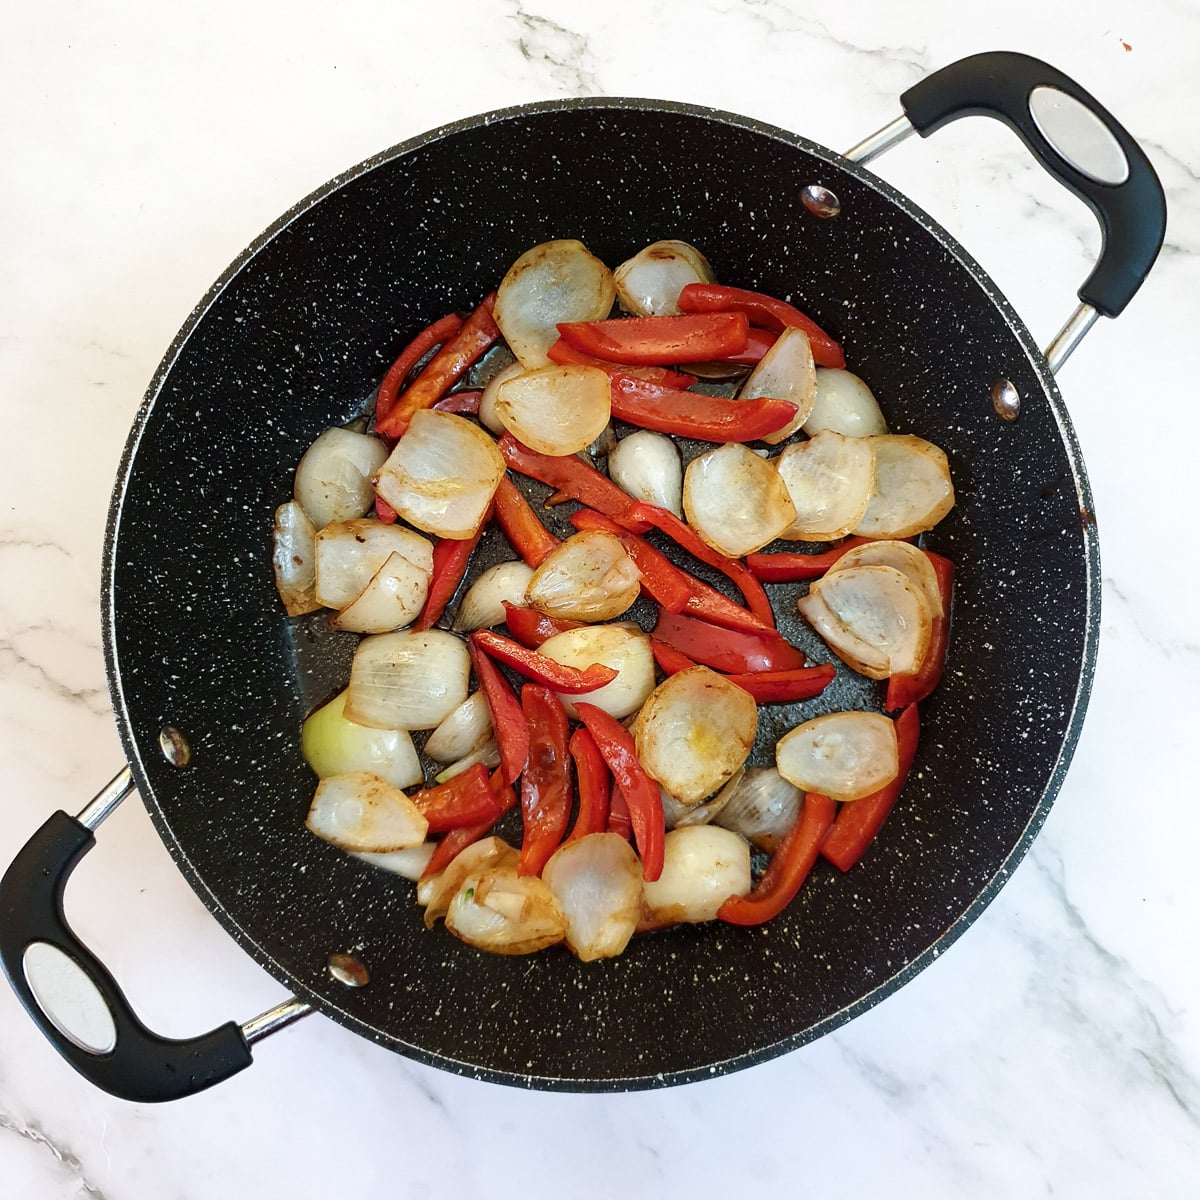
{"x":435,"y":893}
{"x":488,"y":416}
{"x":350,"y":553}
{"x":597,"y":881}
{"x":413,"y":679}
{"x":505,"y":913}
{"x":785,"y":372}
{"x":360,"y":811}
{"x":912,"y":491}
{"x":556,"y":410}
{"x":829,"y":481}
{"x":843,"y":755}
{"x":294,"y":559}
{"x":903,"y":557}
{"x":393,"y":598}
{"x":333,"y":479}
{"x":483,"y":605}
{"x":735,"y":500}
{"x":622,"y":646}
{"x":589,"y":577}
{"x":554,"y":282}
{"x":464,"y":730}
{"x":703,"y":865}
{"x":844,"y":404}
{"x":694,"y":732}
{"x":649,"y":283}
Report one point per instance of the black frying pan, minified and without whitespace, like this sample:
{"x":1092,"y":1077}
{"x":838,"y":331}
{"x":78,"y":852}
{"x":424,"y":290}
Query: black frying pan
{"x":210,"y":681}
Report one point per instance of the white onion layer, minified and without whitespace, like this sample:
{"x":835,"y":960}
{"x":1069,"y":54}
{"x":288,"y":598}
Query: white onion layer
{"x":624,"y":647}
{"x":735,"y":500}
{"x":703,"y":865}
{"x":589,"y":577}
{"x":413,"y":679}
{"x":649,"y":283}
{"x":294,"y":559}
{"x":597,"y":881}
{"x":844,"y":404}
{"x":913,"y":490}
{"x":843,"y":755}
{"x":829,"y":480}
{"x":360,"y":811}
{"x":556,"y":410}
{"x":785,"y":372}
{"x":333,"y":479}
{"x":483,"y":605}
{"x":333,"y":745}
{"x":646,"y":465}
{"x":349,"y":553}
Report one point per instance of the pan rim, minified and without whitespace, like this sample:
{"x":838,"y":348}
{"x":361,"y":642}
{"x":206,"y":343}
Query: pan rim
{"x":894,"y":981}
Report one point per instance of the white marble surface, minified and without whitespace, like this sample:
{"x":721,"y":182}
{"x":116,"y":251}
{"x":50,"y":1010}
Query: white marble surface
{"x":1054,"y":1051}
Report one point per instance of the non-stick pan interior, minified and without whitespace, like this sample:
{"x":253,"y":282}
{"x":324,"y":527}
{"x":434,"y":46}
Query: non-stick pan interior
{"x":297,"y":336}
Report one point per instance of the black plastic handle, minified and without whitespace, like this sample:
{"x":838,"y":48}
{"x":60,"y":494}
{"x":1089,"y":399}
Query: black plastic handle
{"x":1132,"y":213}
{"x":142,"y":1066}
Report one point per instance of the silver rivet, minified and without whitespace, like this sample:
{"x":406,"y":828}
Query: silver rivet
{"x":1006,"y":400}
{"x":347,"y":969}
{"x":174,"y":746}
{"x":820,"y":201}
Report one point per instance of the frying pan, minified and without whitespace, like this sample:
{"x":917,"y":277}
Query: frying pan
{"x":210,"y":681}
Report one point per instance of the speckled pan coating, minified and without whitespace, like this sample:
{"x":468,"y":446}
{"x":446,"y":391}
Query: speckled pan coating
{"x":297,"y":335}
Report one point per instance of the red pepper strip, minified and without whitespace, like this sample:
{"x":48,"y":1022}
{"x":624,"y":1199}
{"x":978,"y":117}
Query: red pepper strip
{"x":683,"y":535}
{"x":463,"y":403}
{"x":758,"y":343}
{"x":433,"y":335}
{"x":903,"y":690}
{"x":859,"y":820}
{"x":710,"y":605}
{"x":767,"y":687}
{"x":766,"y":311}
{"x":687,"y":414}
{"x":508,"y":720}
{"x":594,"y":785}
{"x":531,"y":628}
{"x":457,"y":840}
{"x":655,"y":341}
{"x":448,"y":365}
{"x":788,"y":868}
{"x":565,"y":354}
{"x":641,"y":793}
{"x":730,"y":650}
{"x":464,"y":799}
{"x":529,"y":537}
{"x":541,"y":669}
{"x":546,"y":782}
{"x":788,"y":567}
{"x":618,"y":813}
{"x":574,"y":478}
{"x":661,"y":578}
{"x":670,"y":660}
{"x":385,"y":512}
{"x":555,"y":498}
{"x":450,"y":559}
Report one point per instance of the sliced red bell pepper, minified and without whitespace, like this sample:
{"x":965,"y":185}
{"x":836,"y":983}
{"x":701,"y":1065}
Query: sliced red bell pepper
{"x":464,"y":799}
{"x":464,"y":403}
{"x":385,"y":512}
{"x":767,"y":687}
{"x":683,"y":535}
{"x":903,"y":690}
{"x":687,"y":414}
{"x":789,"y":866}
{"x":788,"y":566}
{"x":661,"y":578}
{"x":641,"y":793}
{"x":710,"y":605}
{"x":531,"y":628}
{"x":859,"y":821}
{"x":529,"y":537}
{"x":593,"y":785}
{"x":451,"y":557}
{"x":757,"y":344}
{"x":573,"y":477}
{"x":457,"y":840}
{"x":733,"y":651}
{"x":656,"y":341}
{"x":509,"y":726}
{"x":429,"y":337}
{"x":619,"y":821}
{"x":670,"y":661}
{"x":541,"y":669}
{"x":764,"y":311}
{"x":478,"y":333}
{"x":546,"y":780}
{"x":563,"y":353}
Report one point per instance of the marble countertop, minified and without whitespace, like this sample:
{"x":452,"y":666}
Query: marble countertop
{"x":1054,"y":1050}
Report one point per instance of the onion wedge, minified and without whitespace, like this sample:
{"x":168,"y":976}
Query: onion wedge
{"x":785,"y":372}
{"x":649,"y":283}
{"x":624,"y":647}
{"x":555,"y":410}
{"x":558,"y":281}
{"x":483,"y":605}
{"x":589,"y":577}
{"x":407,"y":680}
{"x":294,"y":559}
{"x":393,"y":598}
{"x":350,"y":553}
{"x":467,"y":728}
{"x":333,"y":479}
{"x":505,"y":913}
{"x":842,"y":755}
{"x":844,"y":404}
{"x":829,"y":480}
{"x":332,"y":745}
{"x":872,"y":617}
{"x":442,"y":474}
{"x":912,"y":491}
{"x":646,"y":465}
{"x":488,"y":416}
{"x":597,"y":881}
{"x":695,"y":730}
{"x":905,"y":558}
{"x":360,"y":811}
{"x":703,"y":865}
{"x":735,"y":500}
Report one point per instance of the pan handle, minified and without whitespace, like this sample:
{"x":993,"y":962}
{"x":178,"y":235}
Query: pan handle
{"x":1077,"y":140}
{"x":114,"y":1051}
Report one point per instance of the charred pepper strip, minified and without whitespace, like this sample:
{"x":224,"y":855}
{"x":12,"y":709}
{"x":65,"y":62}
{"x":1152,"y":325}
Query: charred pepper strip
{"x":508,"y":720}
{"x":788,"y":868}
{"x":903,"y":690}
{"x":541,"y":669}
{"x":531,"y":628}
{"x":641,"y":793}
{"x":464,"y":799}
{"x":429,"y":337}
{"x":478,"y":333}
{"x":546,"y":780}
{"x":661,"y":578}
{"x":529,"y":537}
{"x":594,"y":783}
{"x":732,"y":651}
{"x":686,"y":414}
{"x":765,"y":311}
{"x":859,"y":821}
{"x":655,"y":341}
{"x":464,"y":403}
